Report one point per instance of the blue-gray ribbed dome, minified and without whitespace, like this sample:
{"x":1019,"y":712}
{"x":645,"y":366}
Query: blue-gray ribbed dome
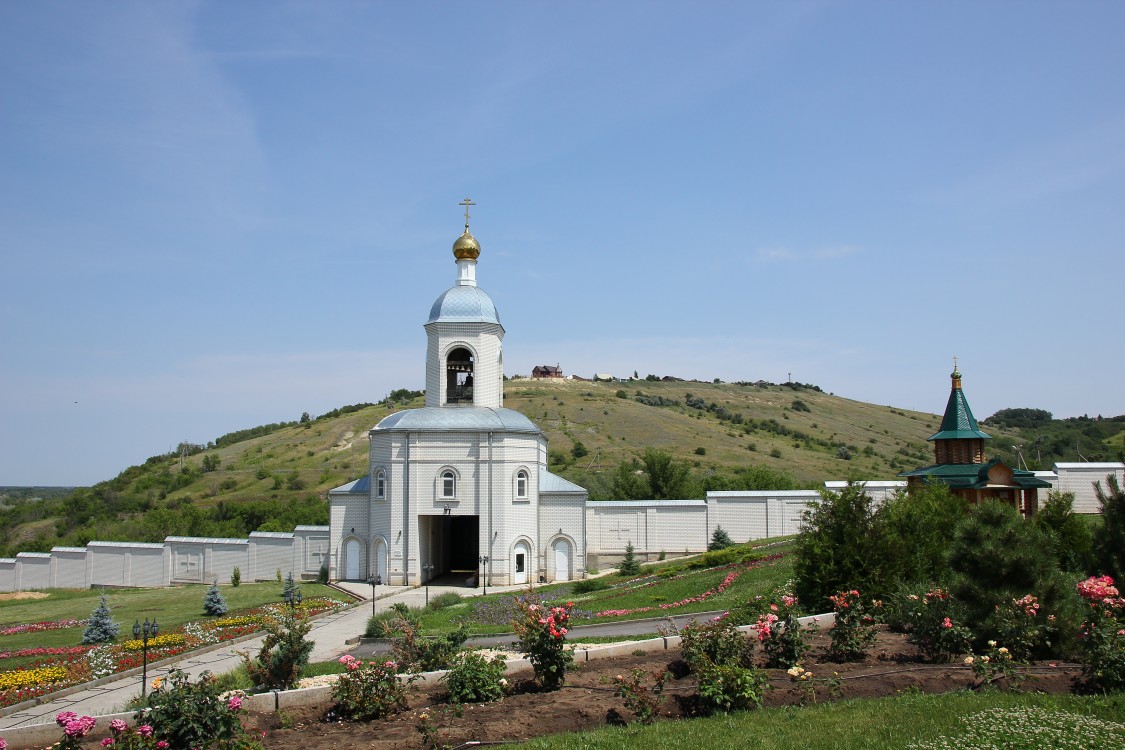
{"x":464,"y":304}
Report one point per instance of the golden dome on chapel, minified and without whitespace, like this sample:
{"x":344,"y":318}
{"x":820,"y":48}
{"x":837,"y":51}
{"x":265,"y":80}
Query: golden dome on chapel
{"x":466,"y":247}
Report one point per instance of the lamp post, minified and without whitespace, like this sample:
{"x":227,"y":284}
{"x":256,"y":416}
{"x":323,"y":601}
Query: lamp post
{"x":144,"y":631}
{"x":291,"y":598}
{"x":374,"y":581}
{"x":484,"y":572}
{"x":427,"y":568}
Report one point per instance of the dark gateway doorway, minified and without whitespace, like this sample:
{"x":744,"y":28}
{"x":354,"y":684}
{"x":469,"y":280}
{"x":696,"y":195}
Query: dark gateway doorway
{"x":451,"y":545}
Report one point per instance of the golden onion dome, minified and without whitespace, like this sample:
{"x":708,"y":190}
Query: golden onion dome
{"x":466,"y":247}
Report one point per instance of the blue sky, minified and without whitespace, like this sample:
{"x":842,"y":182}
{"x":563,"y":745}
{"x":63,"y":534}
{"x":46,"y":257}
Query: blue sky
{"x":216,"y":215}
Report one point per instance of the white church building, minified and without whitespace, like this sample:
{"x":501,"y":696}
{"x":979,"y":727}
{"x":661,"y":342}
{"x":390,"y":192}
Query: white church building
{"x":461,"y":485}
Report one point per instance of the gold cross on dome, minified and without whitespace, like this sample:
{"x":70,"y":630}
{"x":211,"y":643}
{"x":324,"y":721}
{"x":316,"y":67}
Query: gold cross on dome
{"x":466,"y":203}
{"x":954,"y":358}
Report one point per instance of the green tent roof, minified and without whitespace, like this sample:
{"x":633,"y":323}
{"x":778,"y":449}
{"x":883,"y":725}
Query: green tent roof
{"x":958,"y":421}
{"x":974,"y":476}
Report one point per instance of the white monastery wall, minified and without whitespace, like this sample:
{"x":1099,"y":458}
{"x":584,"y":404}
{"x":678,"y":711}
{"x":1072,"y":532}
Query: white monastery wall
{"x":70,"y":568}
{"x":652,"y":526}
{"x":1079,"y":478}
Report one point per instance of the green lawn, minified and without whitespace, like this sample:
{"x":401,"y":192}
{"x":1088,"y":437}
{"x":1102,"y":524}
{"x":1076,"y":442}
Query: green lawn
{"x":646,"y":590}
{"x":884,"y":724}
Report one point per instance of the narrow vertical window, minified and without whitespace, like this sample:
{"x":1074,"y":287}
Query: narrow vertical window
{"x":448,"y":485}
{"x":380,"y":484}
{"x":521,"y":484}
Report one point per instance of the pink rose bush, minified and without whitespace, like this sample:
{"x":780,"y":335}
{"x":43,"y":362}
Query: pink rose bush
{"x":1102,"y":634}
{"x":541,"y":633}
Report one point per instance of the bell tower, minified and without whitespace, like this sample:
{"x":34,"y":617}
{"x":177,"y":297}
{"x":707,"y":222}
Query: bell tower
{"x":464,"y":356}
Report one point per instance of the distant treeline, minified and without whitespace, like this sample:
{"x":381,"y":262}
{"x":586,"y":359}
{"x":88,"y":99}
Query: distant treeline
{"x":1044,"y":440}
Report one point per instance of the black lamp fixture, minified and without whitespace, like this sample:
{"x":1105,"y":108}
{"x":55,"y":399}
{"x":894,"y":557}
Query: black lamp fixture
{"x":142,"y":633}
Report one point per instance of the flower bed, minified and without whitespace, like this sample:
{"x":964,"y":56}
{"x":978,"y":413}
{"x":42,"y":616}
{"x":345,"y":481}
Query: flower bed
{"x":63,"y":667}
{"x":35,"y":627}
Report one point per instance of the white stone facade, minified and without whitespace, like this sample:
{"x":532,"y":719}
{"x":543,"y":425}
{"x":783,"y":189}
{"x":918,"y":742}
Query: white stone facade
{"x":459,"y":488}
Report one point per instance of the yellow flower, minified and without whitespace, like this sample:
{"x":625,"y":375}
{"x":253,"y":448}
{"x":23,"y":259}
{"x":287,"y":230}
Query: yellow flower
{"x":157,"y":683}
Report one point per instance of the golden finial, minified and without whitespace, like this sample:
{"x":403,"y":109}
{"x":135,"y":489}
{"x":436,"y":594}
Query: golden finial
{"x":956,"y":375}
{"x":466,"y":247}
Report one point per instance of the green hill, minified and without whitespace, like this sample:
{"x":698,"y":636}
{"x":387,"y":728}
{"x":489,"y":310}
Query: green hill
{"x":273,"y":477}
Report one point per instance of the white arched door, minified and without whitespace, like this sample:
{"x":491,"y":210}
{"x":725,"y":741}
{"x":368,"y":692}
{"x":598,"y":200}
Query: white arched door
{"x":351,"y":557}
{"x":521,"y":560}
{"x":562,"y":560}
{"x":379,"y":555}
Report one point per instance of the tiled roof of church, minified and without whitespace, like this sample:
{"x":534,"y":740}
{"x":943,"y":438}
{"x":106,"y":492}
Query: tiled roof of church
{"x":458,"y":418}
{"x":958,"y":421}
{"x":462,"y":304}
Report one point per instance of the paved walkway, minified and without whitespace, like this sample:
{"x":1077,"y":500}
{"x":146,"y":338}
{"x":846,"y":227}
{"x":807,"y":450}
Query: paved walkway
{"x":329,"y":632}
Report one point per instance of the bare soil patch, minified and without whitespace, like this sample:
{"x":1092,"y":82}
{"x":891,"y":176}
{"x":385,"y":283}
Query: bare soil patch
{"x":587,"y":700}
{"x":15,"y":595}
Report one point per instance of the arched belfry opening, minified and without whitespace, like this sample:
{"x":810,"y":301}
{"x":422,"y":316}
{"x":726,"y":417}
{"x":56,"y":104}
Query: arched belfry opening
{"x":459,"y":376}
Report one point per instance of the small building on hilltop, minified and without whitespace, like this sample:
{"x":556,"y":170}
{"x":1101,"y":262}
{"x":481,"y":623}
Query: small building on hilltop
{"x":547,"y":371}
{"x":961,"y":465}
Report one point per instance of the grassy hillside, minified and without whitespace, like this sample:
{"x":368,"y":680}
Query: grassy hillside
{"x":276,"y":476}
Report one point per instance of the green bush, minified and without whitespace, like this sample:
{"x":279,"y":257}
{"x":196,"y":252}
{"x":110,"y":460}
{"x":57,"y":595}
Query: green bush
{"x":998,"y":556}
{"x":367,"y":691}
{"x":283,"y":653}
{"x":728,"y":687}
{"x":739,"y":553}
{"x":1072,"y":541}
{"x":186,"y":714}
{"x":589,"y":585}
{"x":841,"y":546}
{"x":714,"y":642}
{"x":446,"y":599}
{"x":235,"y":577}
{"x":474,"y":679}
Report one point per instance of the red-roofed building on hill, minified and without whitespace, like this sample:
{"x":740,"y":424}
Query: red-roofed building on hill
{"x":547,"y":371}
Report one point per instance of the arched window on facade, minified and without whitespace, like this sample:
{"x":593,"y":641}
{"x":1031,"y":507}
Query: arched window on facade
{"x":448,"y":485}
{"x":521,"y":484}
{"x":380,"y":483}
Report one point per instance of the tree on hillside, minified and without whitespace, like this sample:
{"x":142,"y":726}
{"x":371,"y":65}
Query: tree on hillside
{"x":1109,"y":539}
{"x":100,"y":628}
{"x":211,"y":462}
{"x":656,"y":476}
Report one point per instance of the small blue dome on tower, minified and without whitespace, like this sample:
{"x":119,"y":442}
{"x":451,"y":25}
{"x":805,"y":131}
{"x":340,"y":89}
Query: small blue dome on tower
{"x":464,"y":304}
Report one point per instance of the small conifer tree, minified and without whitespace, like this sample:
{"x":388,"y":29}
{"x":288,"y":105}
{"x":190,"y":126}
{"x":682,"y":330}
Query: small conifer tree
{"x":213,"y":602}
{"x":720,"y":540}
{"x":629,"y":565}
{"x":100,"y":628}
{"x":284,"y":651}
{"x":235,"y":576}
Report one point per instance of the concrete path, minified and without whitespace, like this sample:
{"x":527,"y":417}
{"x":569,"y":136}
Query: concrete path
{"x":329,"y":632}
